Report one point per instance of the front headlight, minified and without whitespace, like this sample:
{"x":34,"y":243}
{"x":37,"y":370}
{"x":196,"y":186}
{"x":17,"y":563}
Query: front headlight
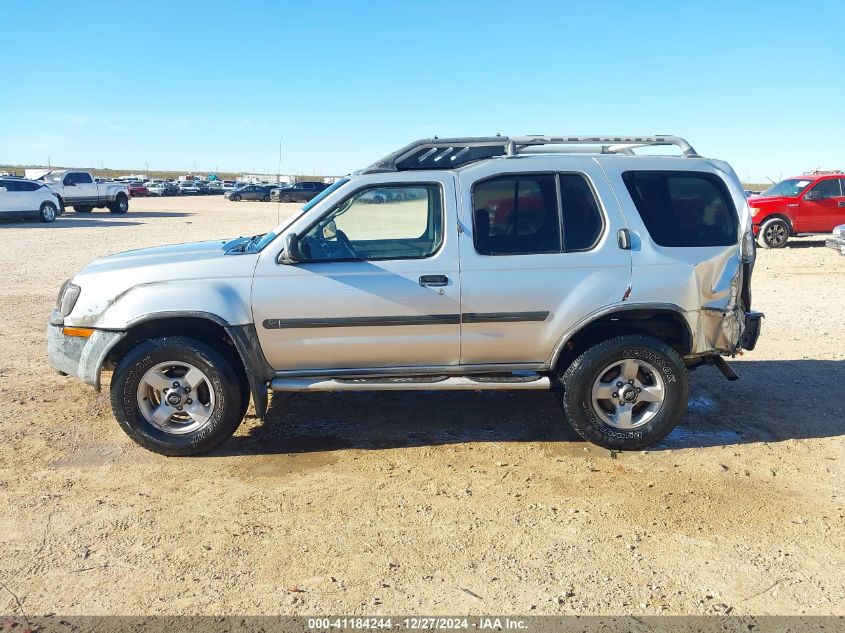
{"x":67,"y":298}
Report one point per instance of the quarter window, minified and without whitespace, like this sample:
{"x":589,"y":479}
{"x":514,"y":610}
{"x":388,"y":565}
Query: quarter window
{"x":387,"y":222}
{"x":684,"y":208}
{"x":582,"y":220}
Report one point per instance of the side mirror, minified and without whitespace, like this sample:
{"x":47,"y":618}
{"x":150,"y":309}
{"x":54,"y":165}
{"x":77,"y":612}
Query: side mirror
{"x":292,"y":252}
{"x":813,"y":195}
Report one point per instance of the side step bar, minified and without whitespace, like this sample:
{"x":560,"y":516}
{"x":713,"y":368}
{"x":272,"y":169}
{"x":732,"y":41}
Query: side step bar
{"x":413,"y":383}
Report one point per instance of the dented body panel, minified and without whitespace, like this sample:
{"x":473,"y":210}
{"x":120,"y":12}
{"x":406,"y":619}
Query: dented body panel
{"x":705,"y":282}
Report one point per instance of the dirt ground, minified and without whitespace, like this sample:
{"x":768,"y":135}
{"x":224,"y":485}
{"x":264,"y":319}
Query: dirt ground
{"x":421,"y":502}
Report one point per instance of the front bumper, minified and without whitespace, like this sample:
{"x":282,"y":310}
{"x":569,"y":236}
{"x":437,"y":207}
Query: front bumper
{"x":752,"y":330}
{"x":78,"y":356}
{"x":837,"y":244}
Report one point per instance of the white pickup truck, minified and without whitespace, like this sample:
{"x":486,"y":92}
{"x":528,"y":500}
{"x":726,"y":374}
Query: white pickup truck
{"x":79,"y":190}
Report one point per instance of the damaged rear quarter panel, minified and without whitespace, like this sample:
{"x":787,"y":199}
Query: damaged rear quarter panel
{"x":705,"y":282}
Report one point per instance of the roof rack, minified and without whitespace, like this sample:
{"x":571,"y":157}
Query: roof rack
{"x":448,"y":153}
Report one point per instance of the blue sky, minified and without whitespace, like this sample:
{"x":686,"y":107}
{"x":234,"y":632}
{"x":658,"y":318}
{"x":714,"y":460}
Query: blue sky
{"x":215,"y":84}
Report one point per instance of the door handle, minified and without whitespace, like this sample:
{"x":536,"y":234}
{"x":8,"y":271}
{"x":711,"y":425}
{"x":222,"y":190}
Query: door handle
{"x":841,"y":203}
{"x":434,"y":280}
{"x":623,"y":238}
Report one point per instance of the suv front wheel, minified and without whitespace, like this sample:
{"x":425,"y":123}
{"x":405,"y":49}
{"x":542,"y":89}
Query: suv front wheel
{"x":176,"y":396}
{"x":625,"y":393}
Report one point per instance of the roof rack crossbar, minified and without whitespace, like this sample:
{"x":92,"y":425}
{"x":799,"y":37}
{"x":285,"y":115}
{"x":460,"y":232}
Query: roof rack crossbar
{"x":436,"y":152}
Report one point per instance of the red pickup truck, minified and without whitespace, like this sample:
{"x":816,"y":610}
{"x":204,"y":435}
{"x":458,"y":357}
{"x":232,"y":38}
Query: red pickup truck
{"x":803,"y":205}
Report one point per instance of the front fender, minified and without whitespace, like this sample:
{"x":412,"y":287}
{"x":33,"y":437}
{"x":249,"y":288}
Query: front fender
{"x":226,"y":299}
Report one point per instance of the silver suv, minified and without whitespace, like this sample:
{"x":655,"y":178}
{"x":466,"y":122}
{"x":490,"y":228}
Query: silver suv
{"x":531,"y":262}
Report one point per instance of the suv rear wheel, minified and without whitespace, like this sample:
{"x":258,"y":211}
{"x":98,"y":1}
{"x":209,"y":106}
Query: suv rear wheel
{"x":625,"y":393}
{"x":176,"y":396}
{"x":774,"y":233}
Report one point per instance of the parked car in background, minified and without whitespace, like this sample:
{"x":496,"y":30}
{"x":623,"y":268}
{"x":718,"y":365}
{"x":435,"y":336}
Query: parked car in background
{"x":187,"y":188}
{"x":802,"y":205}
{"x":298,"y":191}
{"x":157,"y":189}
{"x":77,"y":189}
{"x":229,"y":185}
{"x":836,"y":240}
{"x":215,"y":187}
{"x":202,"y":187}
{"x":250,"y":192}
{"x":138,"y":190}
{"x":20,"y":198}
{"x":171,"y":189}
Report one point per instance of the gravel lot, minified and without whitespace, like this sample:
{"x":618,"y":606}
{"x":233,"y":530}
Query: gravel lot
{"x":421,"y":502}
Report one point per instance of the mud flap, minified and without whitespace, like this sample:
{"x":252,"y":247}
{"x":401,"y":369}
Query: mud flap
{"x":752,"y":330}
{"x":258,"y":371}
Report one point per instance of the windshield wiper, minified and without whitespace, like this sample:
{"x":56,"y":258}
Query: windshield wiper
{"x":244,"y":247}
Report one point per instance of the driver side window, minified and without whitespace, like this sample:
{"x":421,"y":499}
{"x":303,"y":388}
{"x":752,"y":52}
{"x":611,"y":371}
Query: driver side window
{"x":827,"y":189}
{"x":378,"y":223}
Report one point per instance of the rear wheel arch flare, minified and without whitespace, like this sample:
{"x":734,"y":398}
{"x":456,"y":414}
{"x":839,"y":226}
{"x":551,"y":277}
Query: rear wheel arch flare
{"x":666,"y":323}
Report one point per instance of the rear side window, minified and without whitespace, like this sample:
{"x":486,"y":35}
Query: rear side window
{"x":516,"y":215}
{"x":684,"y":208}
{"x":520,"y":214}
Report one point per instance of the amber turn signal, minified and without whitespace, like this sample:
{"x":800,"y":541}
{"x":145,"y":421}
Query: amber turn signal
{"x":83,"y":332}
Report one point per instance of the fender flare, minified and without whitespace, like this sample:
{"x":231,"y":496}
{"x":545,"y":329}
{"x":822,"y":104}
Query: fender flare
{"x":245,"y":339}
{"x":618,"y":309}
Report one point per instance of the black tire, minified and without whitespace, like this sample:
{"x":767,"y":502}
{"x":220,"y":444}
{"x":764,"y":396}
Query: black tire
{"x":774,"y":233}
{"x":286,"y":197}
{"x":579,"y":378}
{"x":48,"y":212}
{"x":82,"y":209}
{"x":266,"y":199}
{"x":120,"y":204}
{"x":226,"y":415}
{"x":236,"y":198}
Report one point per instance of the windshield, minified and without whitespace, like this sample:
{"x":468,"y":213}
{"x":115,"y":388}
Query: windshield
{"x":53,"y":175}
{"x":271,"y":235}
{"x":789,"y":188}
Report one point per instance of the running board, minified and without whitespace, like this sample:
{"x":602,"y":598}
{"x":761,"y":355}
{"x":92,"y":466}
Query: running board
{"x":414,"y":383}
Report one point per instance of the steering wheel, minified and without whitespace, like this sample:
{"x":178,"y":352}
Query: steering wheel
{"x":321,"y":248}
{"x":345,"y":246}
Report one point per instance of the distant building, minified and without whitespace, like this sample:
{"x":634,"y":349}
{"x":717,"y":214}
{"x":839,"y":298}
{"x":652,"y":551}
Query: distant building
{"x":265,"y":178}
